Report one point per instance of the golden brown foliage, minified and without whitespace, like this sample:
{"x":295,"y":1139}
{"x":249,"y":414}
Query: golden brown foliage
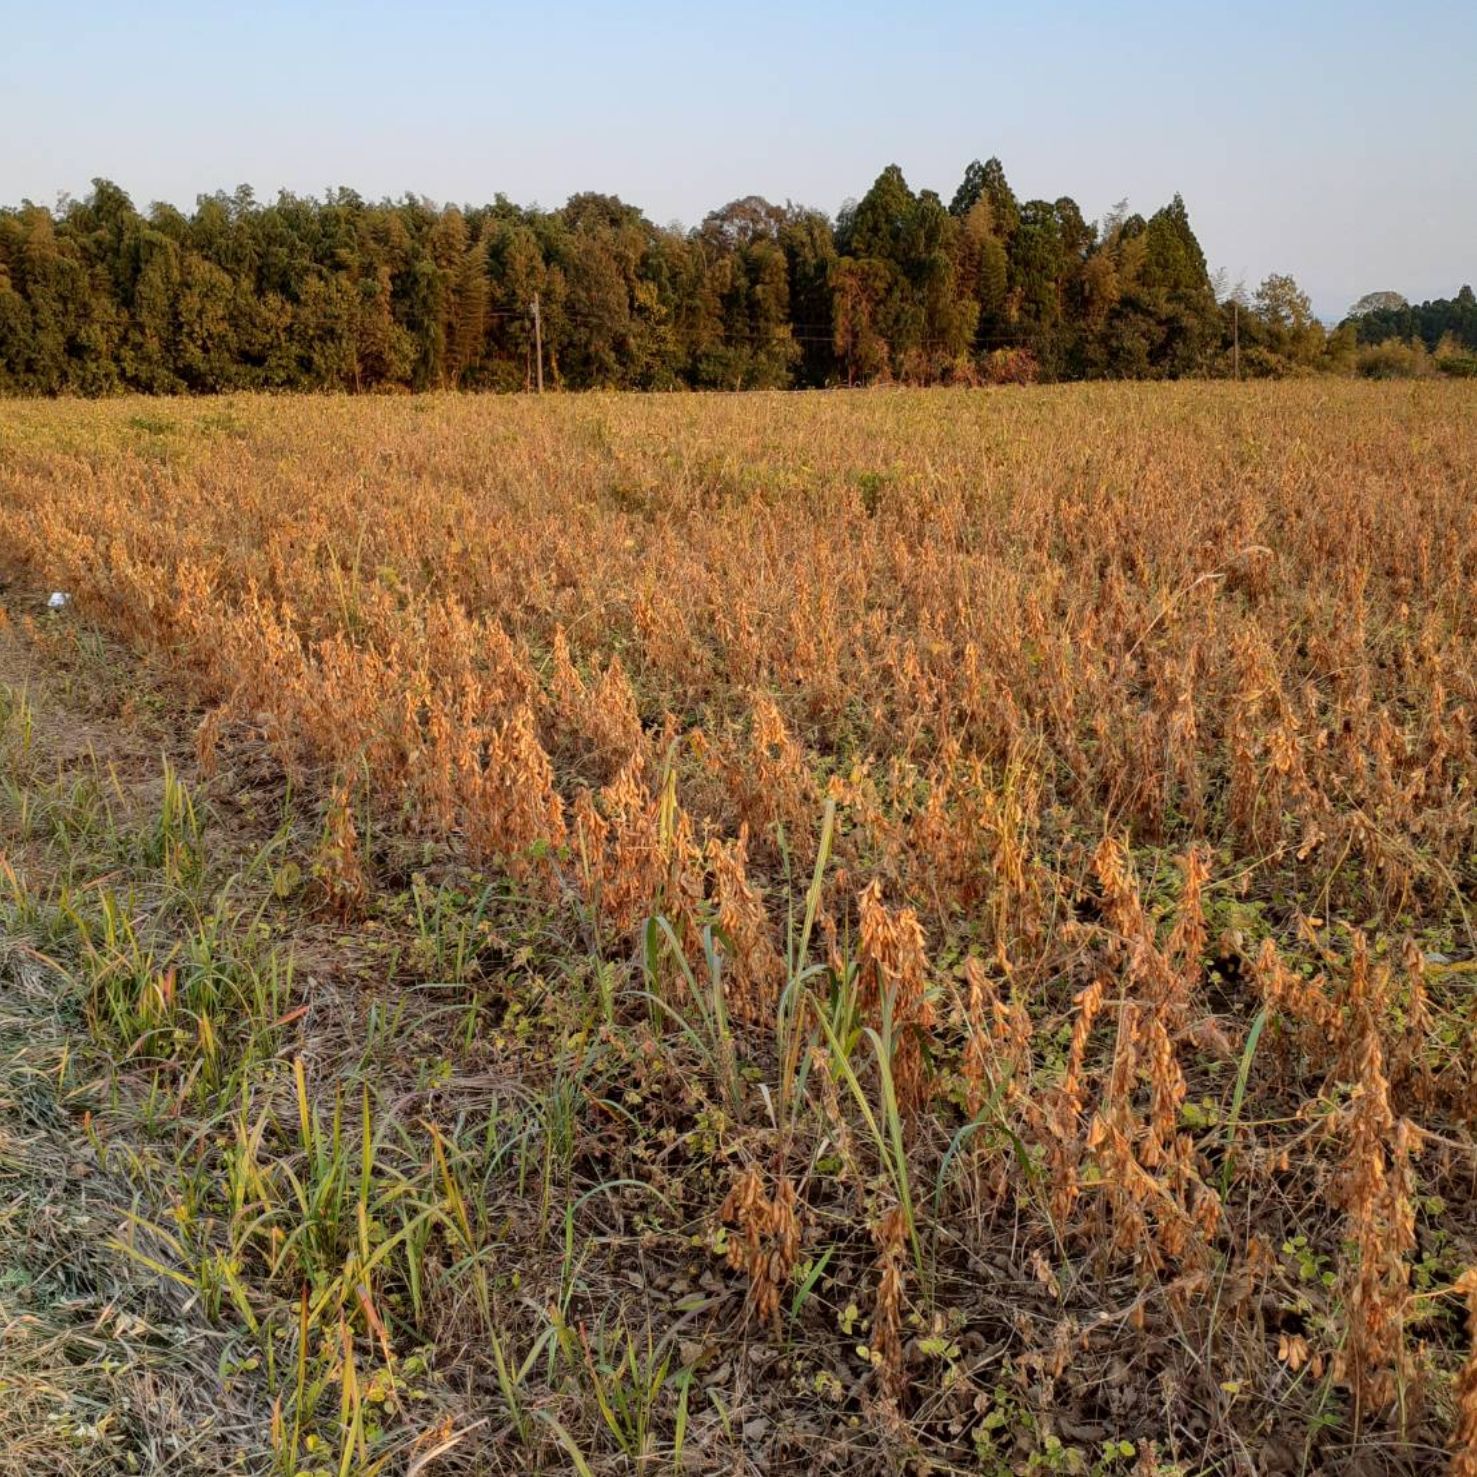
{"x":1133,"y":702}
{"x":767,"y":1243}
{"x":1464,"y":1435}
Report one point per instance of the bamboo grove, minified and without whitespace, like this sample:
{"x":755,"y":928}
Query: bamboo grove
{"x":339,"y":293}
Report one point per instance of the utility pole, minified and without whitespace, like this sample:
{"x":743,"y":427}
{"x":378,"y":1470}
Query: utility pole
{"x":538,"y":344}
{"x":1236,"y":337}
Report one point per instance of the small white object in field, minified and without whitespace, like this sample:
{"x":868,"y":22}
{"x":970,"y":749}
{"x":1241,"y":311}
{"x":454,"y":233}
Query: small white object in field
{"x":59,"y":598}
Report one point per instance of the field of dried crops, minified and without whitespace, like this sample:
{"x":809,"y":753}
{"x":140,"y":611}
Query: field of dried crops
{"x":907,"y":931}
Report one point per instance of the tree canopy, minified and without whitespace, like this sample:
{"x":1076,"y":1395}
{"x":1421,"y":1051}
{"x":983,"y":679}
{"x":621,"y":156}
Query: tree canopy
{"x":341,"y":293}
{"x":1380,"y":316}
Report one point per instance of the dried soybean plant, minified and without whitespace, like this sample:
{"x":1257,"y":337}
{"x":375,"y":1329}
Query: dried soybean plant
{"x":1232,"y":634}
{"x":766,"y":1241}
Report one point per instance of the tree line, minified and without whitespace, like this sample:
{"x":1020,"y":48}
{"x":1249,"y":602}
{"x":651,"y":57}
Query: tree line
{"x":1443,"y":329}
{"x":340,"y":293}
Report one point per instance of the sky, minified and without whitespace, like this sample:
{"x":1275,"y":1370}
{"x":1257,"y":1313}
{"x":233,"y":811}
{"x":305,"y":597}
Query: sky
{"x":1335,"y":141}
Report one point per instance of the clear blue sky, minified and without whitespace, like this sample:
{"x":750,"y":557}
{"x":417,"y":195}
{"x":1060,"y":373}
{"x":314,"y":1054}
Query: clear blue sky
{"x":1337,"y":141}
